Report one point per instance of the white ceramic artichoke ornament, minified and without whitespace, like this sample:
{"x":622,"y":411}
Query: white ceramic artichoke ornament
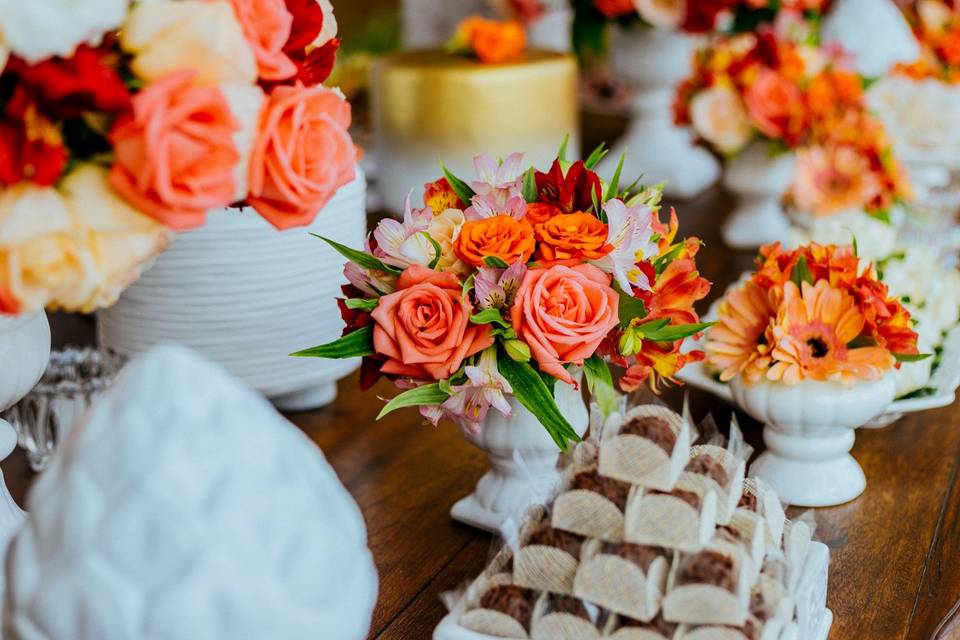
{"x":873,"y":32}
{"x":182,"y":507}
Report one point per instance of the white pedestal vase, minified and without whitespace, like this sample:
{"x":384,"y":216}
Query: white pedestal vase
{"x":654,"y":61}
{"x":808,"y":432}
{"x":758,"y":180}
{"x":523,"y":462}
{"x":24,"y":353}
{"x":246,"y":296}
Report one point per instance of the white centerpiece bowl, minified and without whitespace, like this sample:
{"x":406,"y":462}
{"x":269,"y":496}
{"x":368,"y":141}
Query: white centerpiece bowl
{"x":809,"y":431}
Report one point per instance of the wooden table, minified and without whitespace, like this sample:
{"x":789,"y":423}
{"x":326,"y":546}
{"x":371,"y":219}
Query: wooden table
{"x":895,"y":566}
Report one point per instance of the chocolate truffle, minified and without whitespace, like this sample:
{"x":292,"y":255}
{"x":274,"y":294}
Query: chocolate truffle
{"x":563,"y":540}
{"x":613,"y":490}
{"x":709,"y":466}
{"x":516,"y":602}
{"x":657,"y":625}
{"x":568,"y":604}
{"x":639,"y":554}
{"x":709,"y":567}
{"x":657,"y":430}
{"x":689,"y":497}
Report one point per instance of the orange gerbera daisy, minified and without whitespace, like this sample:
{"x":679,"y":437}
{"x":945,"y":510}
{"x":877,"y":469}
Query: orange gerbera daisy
{"x":739,"y":344}
{"x":812,"y":334}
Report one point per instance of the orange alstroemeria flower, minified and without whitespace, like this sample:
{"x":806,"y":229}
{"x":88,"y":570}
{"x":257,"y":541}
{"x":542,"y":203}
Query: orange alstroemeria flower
{"x":500,"y":237}
{"x":572,"y":236}
{"x":676,"y":290}
{"x":440,"y":196}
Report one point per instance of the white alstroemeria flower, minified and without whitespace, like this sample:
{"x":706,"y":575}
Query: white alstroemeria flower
{"x":489,"y":205}
{"x":485,"y":388}
{"x":629,"y":231}
{"x":498,"y":181}
{"x":401,"y":244}
{"x":41,"y":29}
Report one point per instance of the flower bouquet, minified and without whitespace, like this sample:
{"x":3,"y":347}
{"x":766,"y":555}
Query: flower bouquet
{"x":784,"y":111}
{"x":499,"y":291}
{"x":809,"y":343}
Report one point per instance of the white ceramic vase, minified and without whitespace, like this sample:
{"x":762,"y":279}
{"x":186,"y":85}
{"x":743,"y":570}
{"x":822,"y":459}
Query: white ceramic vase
{"x":758,"y":180}
{"x":523,"y":462}
{"x":24,"y":353}
{"x":809,"y":431}
{"x":654,"y":61}
{"x":246,"y":296}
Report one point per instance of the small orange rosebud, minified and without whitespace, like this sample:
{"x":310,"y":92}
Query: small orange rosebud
{"x":572,"y":236}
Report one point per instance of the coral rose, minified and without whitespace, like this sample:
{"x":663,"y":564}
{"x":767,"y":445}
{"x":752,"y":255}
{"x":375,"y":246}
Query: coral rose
{"x":423,"y":329}
{"x":563,"y":314}
{"x":302,"y":155}
{"x":500,"y":236}
{"x":573,"y":236}
{"x":203,"y":35}
{"x":175,"y":154}
{"x":773,"y":103}
{"x":266,"y":24}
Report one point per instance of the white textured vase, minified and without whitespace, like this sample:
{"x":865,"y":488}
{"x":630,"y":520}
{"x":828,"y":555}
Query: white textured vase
{"x":246,"y":296}
{"x":24,"y":353}
{"x":654,"y":61}
{"x":758,"y":180}
{"x":809,"y":431}
{"x":523,"y":462}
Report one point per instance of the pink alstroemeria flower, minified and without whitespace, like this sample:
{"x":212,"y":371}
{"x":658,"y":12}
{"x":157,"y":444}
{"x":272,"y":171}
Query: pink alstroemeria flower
{"x":488,"y":206}
{"x":485,"y":388}
{"x":500,"y":180}
{"x":496,"y":288}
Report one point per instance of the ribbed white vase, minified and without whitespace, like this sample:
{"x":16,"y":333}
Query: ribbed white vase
{"x":245,"y":295}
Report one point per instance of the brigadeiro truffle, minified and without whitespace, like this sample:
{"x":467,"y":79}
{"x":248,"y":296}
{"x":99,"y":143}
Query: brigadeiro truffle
{"x":748,"y":501}
{"x":657,"y":625}
{"x":639,"y":554}
{"x":613,"y":490}
{"x":709,"y":567}
{"x":516,"y":602}
{"x":690,"y":497}
{"x":654,"y":429}
{"x":568,"y":604}
{"x":709,"y":466}
{"x":563,"y":540}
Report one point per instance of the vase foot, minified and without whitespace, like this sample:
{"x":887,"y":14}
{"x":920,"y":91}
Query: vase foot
{"x":754,"y":224}
{"x":808,"y":483}
{"x":306,"y":399}
{"x":470,"y":512}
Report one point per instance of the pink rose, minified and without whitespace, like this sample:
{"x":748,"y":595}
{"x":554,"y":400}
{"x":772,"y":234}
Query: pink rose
{"x":773,"y":103}
{"x":302,"y":154}
{"x":175,"y":155}
{"x":423,"y":328}
{"x":563,"y":314}
{"x":266,"y":25}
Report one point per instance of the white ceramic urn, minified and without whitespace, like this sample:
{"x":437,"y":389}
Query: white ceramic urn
{"x":523,"y":461}
{"x":654,"y":61}
{"x":758,"y":179}
{"x":809,"y":431}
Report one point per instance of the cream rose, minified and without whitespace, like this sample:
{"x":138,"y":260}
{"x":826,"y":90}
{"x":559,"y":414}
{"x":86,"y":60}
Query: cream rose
{"x":76,"y":247}
{"x":720,"y":118}
{"x":35,"y":30}
{"x":664,"y":14}
{"x":329,"y":29}
{"x":204,"y":35}
{"x":246,"y":102}
{"x":444,"y":228}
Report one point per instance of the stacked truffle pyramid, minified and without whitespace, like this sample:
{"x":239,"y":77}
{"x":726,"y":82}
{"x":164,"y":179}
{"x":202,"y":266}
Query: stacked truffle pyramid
{"x":652,"y":538}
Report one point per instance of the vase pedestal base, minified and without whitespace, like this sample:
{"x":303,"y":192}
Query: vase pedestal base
{"x":507,"y":490}
{"x":306,"y":399}
{"x":756,"y":221}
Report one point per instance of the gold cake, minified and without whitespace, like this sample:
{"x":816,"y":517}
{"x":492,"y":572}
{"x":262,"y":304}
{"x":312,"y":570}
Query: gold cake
{"x":430,"y":105}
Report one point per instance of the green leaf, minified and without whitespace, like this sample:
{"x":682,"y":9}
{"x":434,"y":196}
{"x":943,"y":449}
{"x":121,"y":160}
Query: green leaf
{"x":597,"y":211}
{"x":468,"y":285}
{"x":630,"y":308}
{"x":562,"y":151}
{"x":801,"y":272}
{"x":923,"y":392}
{"x":355,"y":344}
{"x":490,"y":316}
{"x":437,"y":249}
{"x":531,"y":391}
{"x":362,"y":303}
{"x":677,"y":332}
{"x":420,"y":396}
{"x":596,"y":156}
{"x":495,"y":262}
{"x":359,"y":258}
{"x":530,"y":185}
{"x":654,"y":325}
{"x":911,"y":357}
{"x":461,"y":188}
{"x":663,"y":261}
{"x":615,"y":180}
{"x":856,"y":250}
{"x":600,"y":383}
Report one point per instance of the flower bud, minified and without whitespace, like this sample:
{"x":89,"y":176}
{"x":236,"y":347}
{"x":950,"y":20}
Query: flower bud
{"x":518,"y":350}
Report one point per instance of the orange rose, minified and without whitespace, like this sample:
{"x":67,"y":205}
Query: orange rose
{"x":175,"y":155}
{"x":302,"y":155}
{"x":572,"y":236}
{"x":538,"y":212}
{"x":563,"y":314}
{"x":423,"y":328}
{"x":266,"y":25}
{"x":498,"y":236}
{"x":493,"y":41}
{"x":773,"y":103}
